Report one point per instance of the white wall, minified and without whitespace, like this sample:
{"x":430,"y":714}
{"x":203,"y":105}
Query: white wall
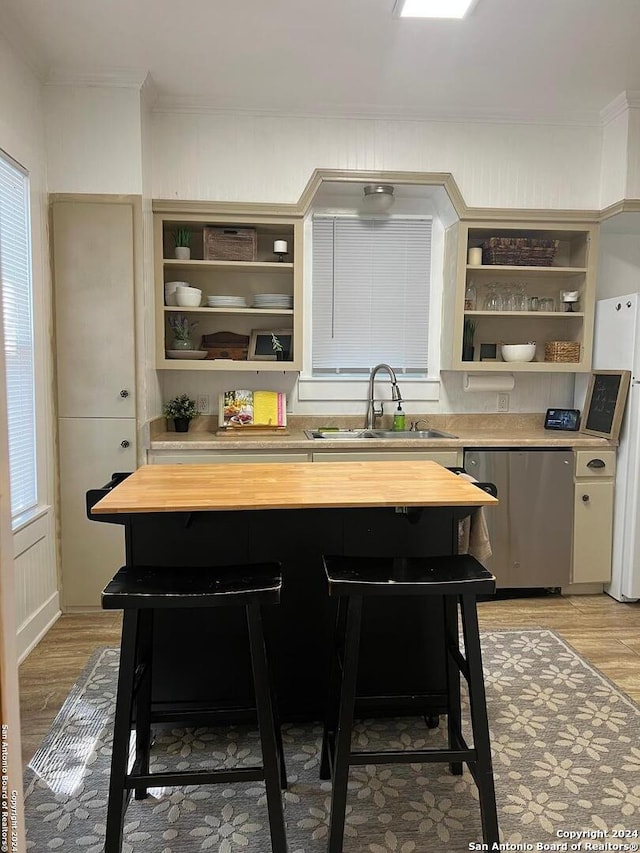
{"x":619,"y":264}
{"x":22,"y":136}
{"x":269,"y":159}
{"x":614,"y":160}
{"x":93,"y":139}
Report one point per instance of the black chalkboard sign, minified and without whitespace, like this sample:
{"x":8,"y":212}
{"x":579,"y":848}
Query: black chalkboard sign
{"x":604,"y":406}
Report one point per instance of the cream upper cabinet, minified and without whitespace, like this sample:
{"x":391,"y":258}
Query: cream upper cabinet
{"x":94,"y":309}
{"x":247,"y":289}
{"x":509,"y":292}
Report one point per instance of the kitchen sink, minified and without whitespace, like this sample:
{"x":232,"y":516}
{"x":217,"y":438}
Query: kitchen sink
{"x":337,"y":434}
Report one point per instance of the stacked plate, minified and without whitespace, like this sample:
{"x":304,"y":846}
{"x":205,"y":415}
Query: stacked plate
{"x":272,"y":300}
{"x":226,"y":302}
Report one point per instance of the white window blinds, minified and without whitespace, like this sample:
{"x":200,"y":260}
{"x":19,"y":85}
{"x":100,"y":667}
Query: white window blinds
{"x":371,"y":281}
{"x":17,"y":306}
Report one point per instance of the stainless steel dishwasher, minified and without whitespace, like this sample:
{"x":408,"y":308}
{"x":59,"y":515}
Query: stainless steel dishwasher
{"x":531,"y":528}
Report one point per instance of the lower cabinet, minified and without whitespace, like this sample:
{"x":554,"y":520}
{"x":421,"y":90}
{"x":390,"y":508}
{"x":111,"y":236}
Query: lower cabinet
{"x":593,"y":516}
{"x":91,"y":450}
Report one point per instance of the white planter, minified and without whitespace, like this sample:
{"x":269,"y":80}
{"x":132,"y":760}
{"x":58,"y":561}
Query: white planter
{"x":183,"y":253}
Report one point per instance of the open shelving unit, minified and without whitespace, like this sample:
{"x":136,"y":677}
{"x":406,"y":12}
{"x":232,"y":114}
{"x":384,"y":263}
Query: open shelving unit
{"x":266,"y":274}
{"x":573,"y":268}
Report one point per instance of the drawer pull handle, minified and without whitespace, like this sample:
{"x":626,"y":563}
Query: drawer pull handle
{"x":585,"y":499}
{"x":595,"y":463}
{"x":124,"y":443}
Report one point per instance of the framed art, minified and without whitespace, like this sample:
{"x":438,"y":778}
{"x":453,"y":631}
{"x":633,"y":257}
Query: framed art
{"x":487,"y":352}
{"x":264,"y":343}
{"x":605,"y":402}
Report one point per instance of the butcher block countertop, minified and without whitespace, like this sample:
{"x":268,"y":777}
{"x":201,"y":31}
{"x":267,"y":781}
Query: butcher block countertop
{"x":292,"y":485}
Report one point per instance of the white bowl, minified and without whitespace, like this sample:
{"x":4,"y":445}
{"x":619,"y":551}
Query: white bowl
{"x":184,"y":286}
{"x":188,"y":300}
{"x":518,"y":352}
{"x":170,"y":288}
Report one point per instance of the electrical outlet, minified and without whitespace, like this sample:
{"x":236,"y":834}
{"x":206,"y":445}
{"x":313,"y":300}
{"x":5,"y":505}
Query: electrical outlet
{"x":202,"y":404}
{"x":503,"y":402}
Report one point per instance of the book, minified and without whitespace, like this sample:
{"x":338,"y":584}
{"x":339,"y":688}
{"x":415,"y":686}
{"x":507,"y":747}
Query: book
{"x":243,"y":408}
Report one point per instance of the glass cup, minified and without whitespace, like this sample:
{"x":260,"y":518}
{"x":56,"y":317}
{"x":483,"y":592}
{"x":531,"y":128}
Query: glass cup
{"x":534,"y":303}
{"x":520,"y":298}
{"x":492,"y":301}
{"x":547,"y":304}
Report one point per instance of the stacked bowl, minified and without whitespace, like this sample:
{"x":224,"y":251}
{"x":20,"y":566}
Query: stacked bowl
{"x":188,"y":297}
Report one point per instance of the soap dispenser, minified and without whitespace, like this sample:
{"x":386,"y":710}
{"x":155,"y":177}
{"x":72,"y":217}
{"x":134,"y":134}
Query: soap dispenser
{"x":398,"y":418}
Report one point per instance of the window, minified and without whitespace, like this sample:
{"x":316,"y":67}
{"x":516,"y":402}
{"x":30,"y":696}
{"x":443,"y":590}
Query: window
{"x":371,"y":292}
{"x":17,"y":306}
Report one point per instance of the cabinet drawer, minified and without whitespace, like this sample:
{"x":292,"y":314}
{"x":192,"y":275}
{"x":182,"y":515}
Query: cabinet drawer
{"x":212,"y":457}
{"x":588,"y":463}
{"x":444,"y":457}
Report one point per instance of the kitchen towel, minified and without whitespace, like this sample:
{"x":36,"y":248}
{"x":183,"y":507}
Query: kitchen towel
{"x":473,"y":533}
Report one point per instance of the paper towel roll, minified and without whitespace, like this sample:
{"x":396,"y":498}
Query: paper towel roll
{"x":488,"y":382}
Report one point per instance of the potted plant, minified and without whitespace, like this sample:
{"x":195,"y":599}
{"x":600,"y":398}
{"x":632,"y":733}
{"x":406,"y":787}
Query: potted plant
{"x":181,"y":410}
{"x":182,"y":240}
{"x":468,"y":333}
{"x":277,"y":347}
{"x":182,"y":329}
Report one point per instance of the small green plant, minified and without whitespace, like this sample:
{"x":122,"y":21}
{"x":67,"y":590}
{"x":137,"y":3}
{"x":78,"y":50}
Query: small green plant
{"x":182,"y":237}
{"x":181,"y":408}
{"x":468,"y":332}
{"x":276,"y":346}
{"x":182,"y":327}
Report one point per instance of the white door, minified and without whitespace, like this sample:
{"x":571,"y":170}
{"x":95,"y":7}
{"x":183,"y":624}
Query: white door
{"x":91,"y":450}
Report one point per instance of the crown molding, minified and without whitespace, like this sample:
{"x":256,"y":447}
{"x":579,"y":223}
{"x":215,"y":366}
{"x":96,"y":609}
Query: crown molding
{"x":362,"y":112}
{"x":622,"y":103}
{"x":111,"y":78}
{"x":627,"y":205}
{"x":226,"y":208}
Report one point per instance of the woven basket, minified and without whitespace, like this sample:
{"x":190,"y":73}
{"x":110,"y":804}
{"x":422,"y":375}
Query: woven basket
{"x":229,"y":244}
{"x":567,"y":351}
{"x":519,"y":251}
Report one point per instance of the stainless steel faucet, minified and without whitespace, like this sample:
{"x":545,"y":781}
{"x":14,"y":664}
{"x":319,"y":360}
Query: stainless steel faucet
{"x":373,"y":411}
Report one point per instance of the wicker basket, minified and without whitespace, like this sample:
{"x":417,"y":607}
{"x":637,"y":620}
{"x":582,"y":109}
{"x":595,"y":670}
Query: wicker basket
{"x":519,"y":251}
{"x":562,"y":351}
{"x":229,"y":244}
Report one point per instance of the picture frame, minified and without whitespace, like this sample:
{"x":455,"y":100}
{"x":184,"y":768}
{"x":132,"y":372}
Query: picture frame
{"x":605,"y":402}
{"x":487,"y":351}
{"x":261,"y":345}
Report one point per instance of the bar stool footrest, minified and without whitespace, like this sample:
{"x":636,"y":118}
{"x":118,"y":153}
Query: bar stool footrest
{"x":195,"y":777}
{"x":414,"y":756}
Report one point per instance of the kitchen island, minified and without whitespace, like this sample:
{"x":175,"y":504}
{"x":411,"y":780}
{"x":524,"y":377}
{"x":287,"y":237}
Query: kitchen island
{"x":207,"y":515}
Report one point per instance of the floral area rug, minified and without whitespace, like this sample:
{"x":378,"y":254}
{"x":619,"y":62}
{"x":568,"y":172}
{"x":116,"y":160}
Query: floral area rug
{"x":566,"y":746}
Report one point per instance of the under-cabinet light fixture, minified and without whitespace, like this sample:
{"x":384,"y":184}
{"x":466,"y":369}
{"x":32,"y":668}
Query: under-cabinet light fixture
{"x":433,"y":8}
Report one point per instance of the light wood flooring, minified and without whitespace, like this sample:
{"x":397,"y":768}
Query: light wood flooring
{"x":604,"y":632}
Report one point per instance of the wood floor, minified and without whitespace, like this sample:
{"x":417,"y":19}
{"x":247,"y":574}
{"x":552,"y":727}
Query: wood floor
{"x":604,"y":632}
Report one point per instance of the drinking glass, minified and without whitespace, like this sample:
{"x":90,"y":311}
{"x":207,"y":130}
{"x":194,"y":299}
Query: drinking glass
{"x":520,"y":298}
{"x":508,"y":298}
{"x":492,"y":301}
{"x":547,"y":304}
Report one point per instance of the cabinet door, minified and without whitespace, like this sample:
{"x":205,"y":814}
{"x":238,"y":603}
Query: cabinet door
{"x":592,"y":532}
{"x":90,"y":452}
{"x":94,"y":309}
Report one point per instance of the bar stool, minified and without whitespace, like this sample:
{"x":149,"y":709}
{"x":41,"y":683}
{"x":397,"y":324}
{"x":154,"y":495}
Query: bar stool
{"x":139,"y":591}
{"x":453,"y":578}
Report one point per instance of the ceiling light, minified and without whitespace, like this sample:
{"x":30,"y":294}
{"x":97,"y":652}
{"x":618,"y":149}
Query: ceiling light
{"x":378,"y":197}
{"x":432,"y":8}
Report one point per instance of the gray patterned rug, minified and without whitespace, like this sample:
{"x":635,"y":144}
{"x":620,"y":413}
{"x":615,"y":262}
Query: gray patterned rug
{"x":566,"y":746}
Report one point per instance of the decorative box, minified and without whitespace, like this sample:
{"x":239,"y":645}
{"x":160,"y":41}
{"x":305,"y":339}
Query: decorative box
{"x":229,"y":244}
{"x":226,"y":345}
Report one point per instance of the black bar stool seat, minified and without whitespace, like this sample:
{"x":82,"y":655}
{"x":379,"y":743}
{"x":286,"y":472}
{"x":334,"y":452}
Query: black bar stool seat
{"x":456,"y":579}
{"x":141,"y":590}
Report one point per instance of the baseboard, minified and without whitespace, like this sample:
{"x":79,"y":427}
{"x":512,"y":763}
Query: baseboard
{"x":583,"y":589}
{"x":36,"y":626}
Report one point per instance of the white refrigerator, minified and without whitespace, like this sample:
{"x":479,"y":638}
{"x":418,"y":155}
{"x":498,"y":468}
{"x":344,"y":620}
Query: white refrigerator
{"x":617,"y":347}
